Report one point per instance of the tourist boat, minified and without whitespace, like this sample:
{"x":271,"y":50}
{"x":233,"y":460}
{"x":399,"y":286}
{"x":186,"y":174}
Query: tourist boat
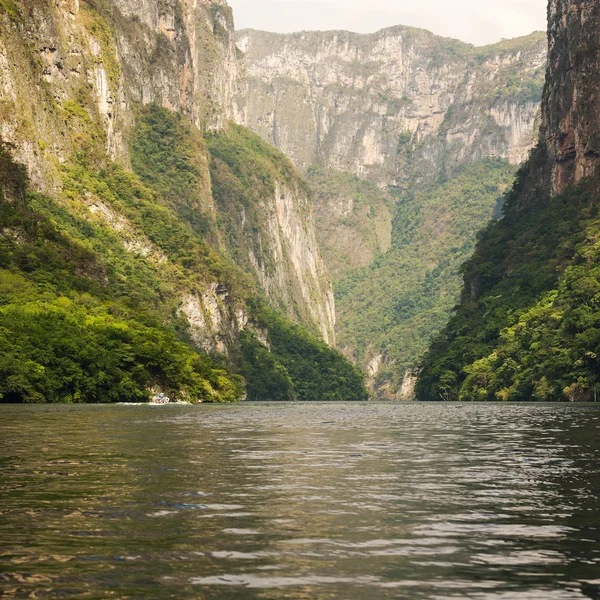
{"x":160,"y":399}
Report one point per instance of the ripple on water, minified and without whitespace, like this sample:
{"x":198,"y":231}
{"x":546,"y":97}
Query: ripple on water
{"x":311,"y":502}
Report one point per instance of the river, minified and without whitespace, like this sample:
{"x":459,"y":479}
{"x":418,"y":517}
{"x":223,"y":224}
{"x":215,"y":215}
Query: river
{"x":300,"y":501}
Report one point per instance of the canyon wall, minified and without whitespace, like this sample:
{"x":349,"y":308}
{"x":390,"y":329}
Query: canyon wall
{"x":394,"y":131}
{"x":571,"y":116}
{"x":354,"y":102}
{"x":527,"y":326}
{"x":74,"y":77}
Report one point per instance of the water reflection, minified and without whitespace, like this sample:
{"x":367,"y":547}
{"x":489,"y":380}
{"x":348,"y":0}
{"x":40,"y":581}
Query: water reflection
{"x":300,"y":501}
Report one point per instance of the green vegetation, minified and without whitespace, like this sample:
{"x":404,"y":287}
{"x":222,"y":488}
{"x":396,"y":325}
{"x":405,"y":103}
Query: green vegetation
{"x":11,"y":9}
{"x":513,"y":45}
{"x":405,"y":297}
{"x":354,"y":219}
{"x":91,"y":283}
{"x":518,"y":89}
{"x":73,"y":349}
{"x":528,"y":327}
{"x":244,"y":173}
{"x":72,"y":327}
{"x":170,"y":156}
{"x":296,"y":366}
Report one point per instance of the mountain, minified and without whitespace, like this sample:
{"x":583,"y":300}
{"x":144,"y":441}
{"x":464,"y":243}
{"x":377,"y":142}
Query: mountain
{"x":408,"y":142}
{"x":147,"y":242}
{"x":528,"y":325}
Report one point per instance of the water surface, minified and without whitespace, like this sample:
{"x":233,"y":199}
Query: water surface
{"x":300,"y":501}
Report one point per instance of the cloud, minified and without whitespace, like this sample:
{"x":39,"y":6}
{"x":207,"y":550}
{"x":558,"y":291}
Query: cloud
{"x":469,"y":20}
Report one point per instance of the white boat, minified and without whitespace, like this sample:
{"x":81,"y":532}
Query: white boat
{"x":160,"y":399}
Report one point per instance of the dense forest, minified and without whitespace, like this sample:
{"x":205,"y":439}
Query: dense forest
{"x":81,"y":319}
{"x":400,"y":301}
{"x":528,"y":327}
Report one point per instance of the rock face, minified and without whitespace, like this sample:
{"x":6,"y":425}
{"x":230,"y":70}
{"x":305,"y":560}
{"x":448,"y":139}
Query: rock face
{"x":297,"y":266}
{"x":354,"y":102}
{"x":75,"y":74}
{"x":571,"y":115}
{"x":179,"y":54}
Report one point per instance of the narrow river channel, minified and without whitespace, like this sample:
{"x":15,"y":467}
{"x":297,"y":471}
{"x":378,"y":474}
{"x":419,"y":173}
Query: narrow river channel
{"x":300,"y":501}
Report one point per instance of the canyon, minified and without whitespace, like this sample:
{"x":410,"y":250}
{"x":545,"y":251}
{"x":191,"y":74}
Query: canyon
{"x":379,"y":124}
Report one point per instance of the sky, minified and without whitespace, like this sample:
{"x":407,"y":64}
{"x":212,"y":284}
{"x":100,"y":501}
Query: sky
{"x":476,"y":21}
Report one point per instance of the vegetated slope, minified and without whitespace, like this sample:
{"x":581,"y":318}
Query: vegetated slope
{"x":279,"y":360}
{"x":354,"y":219}
{"x":392,"y":308}
{"x":381,"y":123}
{"x":256,"y":210}
{"x":118,"y":283}
{"x":528,"y":326}
{"x":82,"y":317}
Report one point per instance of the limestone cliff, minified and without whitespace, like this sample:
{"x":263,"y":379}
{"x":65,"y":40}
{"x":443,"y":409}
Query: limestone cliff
{"x":180,"y":55}
{"x":73,"y":78}
{"x":353,"y":102}
{"x":386,"y":127}
{"x":571,"y":116}
{"x":395,"y":131}
{"x":267,"y":226}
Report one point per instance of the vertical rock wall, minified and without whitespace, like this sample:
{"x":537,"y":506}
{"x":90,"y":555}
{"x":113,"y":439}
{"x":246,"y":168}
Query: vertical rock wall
{"x":355,"y":102}
{"x":571,"y":112}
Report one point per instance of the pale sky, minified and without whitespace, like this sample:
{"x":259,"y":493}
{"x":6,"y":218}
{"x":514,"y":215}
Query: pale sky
{"x":476,"y":21}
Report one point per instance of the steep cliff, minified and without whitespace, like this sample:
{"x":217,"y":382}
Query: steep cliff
{"x":118,"y":113}
{"x":570,"y":118}
{"x":351,"y":102}
{"x":528,"y":327}
{"x":386,"y":126}
{"x":113,"y":55}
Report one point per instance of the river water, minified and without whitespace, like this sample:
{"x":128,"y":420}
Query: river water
{"x":300,"y":501}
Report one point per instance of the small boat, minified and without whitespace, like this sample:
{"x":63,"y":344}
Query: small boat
{"x":160,"y":399}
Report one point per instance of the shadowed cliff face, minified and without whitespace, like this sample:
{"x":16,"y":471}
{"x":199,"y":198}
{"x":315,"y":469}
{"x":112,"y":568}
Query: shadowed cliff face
{"x":571,"y":116}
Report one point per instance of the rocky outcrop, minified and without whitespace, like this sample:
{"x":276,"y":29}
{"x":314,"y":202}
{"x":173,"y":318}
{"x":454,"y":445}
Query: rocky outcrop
{"x":356,"y":103}
{"x":179,"y":54}
{"x":294,"y":271}
{"x":571,"y":115}
{"x":213,"y":324}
